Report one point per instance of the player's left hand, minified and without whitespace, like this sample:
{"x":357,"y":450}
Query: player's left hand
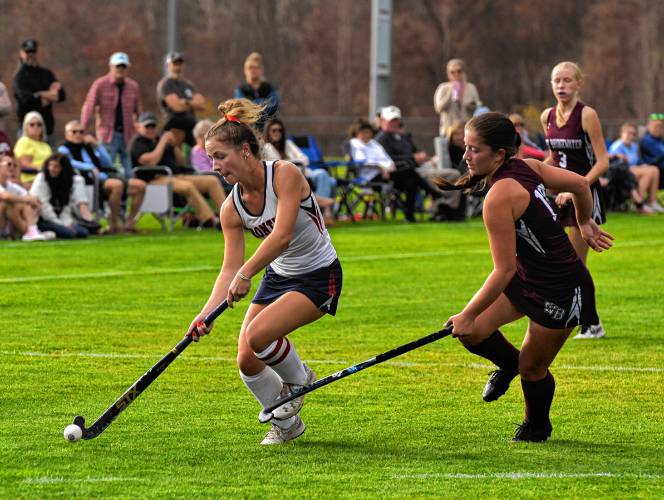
{"x":597,"y":239}
{"x":238,"y":289}
{"x":462,"y":324}
{"x":563,"y":199}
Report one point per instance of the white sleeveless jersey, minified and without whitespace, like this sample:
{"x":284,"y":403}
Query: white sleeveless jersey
{"x":310,"y":247}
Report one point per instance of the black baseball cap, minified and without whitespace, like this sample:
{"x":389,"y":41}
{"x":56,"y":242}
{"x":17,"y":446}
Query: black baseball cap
{"x":174,"y":57}
{"x":147,"y":118}
{"x":30,"y":45}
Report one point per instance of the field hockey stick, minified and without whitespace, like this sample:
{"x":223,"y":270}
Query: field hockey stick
{"x":267,"y":413}
{"x":142,"y":383}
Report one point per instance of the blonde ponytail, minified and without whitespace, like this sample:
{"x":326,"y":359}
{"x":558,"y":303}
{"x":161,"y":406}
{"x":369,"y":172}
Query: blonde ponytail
{"x":237,"y":124}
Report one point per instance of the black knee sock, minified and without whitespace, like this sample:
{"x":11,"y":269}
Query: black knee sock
{"x":497,"y":348}
{"x":538,"y":396}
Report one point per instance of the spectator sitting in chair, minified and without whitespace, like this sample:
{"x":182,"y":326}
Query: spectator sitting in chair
{"x":647,"y":176}
{"x":407,"y":158}
{"x":61,"y":192}
{"x":149,"y":149}
{"x":31,"y":150}
{"x":179,"y":100}
{"x":277,"y":147}
{"x":18,"y":209}
{"x":199,"y":158}
{"x":364,"y":149}
{"x":86,"y":156}
{"x":652,"y":144}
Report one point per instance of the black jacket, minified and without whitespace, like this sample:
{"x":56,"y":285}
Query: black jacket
{"x":28,"y":80}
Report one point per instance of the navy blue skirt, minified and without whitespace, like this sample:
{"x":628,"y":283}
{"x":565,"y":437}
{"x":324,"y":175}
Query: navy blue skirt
{"x":322,"y":286}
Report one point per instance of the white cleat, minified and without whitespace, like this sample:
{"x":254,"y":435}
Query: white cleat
{"x":277,"y":435}
{"x":591,"y":332}
{"x":293,"y":407}
{"x":598,"y":331}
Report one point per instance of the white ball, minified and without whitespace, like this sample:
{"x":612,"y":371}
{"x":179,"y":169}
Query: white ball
{"x":73,"y":432}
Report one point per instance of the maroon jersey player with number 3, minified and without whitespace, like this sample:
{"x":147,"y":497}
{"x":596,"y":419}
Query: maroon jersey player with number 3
{"x":575,"y":140}
{"x":536,"y":272}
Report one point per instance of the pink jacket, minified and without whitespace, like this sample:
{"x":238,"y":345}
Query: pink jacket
{"x":101,"y":101}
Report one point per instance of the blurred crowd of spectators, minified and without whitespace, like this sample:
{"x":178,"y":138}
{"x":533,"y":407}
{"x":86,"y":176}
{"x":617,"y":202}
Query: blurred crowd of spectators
{"x":43,"y":191}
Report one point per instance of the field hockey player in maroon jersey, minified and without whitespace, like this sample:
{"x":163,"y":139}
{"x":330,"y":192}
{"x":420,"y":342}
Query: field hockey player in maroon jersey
{"x":574,"y":137}
{"x":536,"y":272}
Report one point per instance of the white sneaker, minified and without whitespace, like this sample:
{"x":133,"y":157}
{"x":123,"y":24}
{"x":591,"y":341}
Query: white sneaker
{"x":277,"y":435}
{"x":585,"y":332}
{"x":48,"y":235}
{"x":657,"y":207}
{"x":36,"y":236}
{"x":293,"y":407}
{"x":646,"y":210}
{"x":597,"y":331}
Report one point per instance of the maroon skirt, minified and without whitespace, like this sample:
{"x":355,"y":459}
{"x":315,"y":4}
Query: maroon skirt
{"x":571,"y":307}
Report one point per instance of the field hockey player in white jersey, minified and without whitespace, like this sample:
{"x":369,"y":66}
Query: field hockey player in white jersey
{"x":303,"y":277}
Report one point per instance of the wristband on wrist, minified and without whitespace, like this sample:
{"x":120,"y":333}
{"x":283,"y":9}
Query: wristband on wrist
{"x":243,"y":277}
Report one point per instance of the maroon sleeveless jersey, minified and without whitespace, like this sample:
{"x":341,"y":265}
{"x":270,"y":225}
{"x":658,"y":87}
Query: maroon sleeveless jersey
{"x":550,"y":278}
{"x":570,"y":145}
{"x":572,"y":150}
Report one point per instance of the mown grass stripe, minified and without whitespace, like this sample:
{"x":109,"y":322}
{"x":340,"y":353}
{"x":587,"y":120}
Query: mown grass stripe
{"x":194,"y":269}
{"x":229,"y":359}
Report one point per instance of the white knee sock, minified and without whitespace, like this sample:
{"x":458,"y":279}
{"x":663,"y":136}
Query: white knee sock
{"x":266,"y":387}
{"x":282,"y":357}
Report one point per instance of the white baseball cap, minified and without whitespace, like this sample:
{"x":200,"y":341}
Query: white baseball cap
{"x":390,"y":113}
{"x":119,"y":58}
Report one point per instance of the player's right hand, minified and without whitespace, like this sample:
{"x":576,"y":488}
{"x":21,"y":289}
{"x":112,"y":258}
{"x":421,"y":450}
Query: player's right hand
{"x":198,"y":328}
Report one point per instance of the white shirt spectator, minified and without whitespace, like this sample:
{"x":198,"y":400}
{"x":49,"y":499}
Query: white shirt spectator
{"x":370,"y":153}
{"x":41,"y":190}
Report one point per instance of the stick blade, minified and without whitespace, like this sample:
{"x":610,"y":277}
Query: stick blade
{"x":80,"y":421}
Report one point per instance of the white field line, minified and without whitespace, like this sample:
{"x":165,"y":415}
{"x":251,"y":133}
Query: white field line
{"x":193,"y":269}
{"x":228,"y":359}
{"x":61,"y":480}
{"x":529,"y":475}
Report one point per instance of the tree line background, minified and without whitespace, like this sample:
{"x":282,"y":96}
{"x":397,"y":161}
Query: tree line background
{"x":317,"y":52}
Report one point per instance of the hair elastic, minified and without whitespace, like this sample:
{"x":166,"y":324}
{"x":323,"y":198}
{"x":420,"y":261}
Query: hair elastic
{"x":233,"y":119}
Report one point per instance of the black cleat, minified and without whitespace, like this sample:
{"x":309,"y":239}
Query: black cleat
{"x":528,"y":432}
{"x":497,"y":385}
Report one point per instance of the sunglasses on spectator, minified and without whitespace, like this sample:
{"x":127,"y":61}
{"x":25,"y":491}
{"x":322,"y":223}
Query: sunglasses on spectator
{"x":77,"y":131}
{"x":657,"y":116}
{"x":276,"y":129}
{"x":30,"y":51}
{"x":151,"y":125}
{"x":121,"y":66}
{"x":34,"y":124}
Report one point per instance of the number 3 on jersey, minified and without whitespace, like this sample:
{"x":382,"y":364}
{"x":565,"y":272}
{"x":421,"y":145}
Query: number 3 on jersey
{"x":562,"y":163}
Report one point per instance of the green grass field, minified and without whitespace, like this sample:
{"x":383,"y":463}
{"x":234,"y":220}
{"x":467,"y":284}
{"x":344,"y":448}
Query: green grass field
{"x":82,"y":320}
